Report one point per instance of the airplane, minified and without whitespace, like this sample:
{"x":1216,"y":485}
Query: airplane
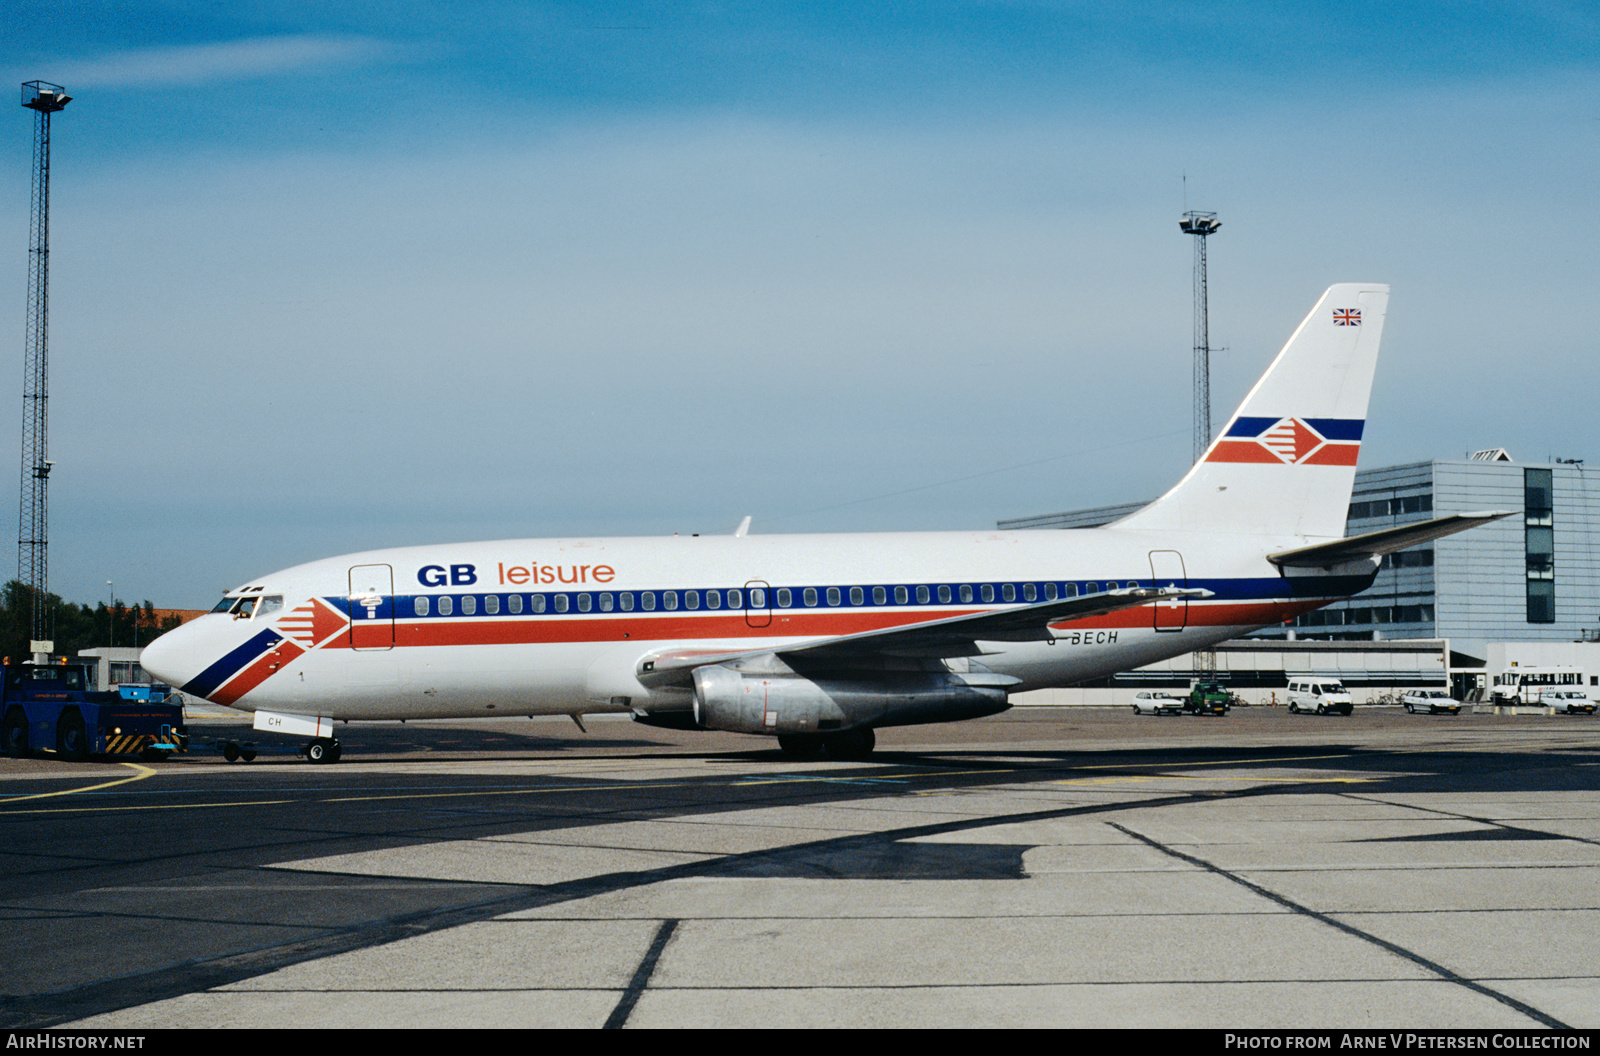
{"x":819,"y":640}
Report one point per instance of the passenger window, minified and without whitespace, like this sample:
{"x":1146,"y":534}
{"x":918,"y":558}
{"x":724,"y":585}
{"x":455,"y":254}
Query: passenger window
{"x":691,"y":599}
{"x":446,"y":605}
{"x":987,"y":592}
{"x":922,"y":595}
{"x":944,"y":593}
{"x":880,"y":596}
{"x":420,"y":606}
{"x":469,"y":605}
{"x":901,"y":595}
{"x":669,"y":600}
{"x":758,"y":599}
{"x":514,"y":604}
{"x":561,"y":602}
{"x":647,"y":601}
{"x":584,"y":603}
{"x":537,"y":602}
{"x":1029,"y":593}
{"x":491,"y":604}
{"x":626,"y":599}
{"x":811,"y":596}
{"x":833,"y":595}
{"x":713,"y":599}
{"x":605,"y":603}
{"x":1049,"y":592}
{"x":966,"y":592}
{"x":785,"y":598}
{"x":857,"y":596}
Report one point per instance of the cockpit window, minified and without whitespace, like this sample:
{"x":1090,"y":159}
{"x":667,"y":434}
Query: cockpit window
{"x":225,"y":604}
{"x":244,"y":608}
{"x":269,"y":604}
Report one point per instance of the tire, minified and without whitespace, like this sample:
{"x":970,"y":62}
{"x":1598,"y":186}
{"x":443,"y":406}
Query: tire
{"x":799,"y":745}
{"x":851,"y":744}
{"x":72,"y":738}
{"x":317,"y":752}
{"x":248,"y":755}
{"x":230,"y":752}
{"x":15,"y":734}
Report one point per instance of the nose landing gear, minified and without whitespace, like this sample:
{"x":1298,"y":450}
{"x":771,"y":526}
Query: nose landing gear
{"x":322,"y":750}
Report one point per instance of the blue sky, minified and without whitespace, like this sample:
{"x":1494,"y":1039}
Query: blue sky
{"x":357,"y":275}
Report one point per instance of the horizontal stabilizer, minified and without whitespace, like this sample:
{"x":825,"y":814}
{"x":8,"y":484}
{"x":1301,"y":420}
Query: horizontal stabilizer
{"x":1386,"y":541}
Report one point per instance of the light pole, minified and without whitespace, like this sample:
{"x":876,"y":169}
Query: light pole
{"x":111,"y":614}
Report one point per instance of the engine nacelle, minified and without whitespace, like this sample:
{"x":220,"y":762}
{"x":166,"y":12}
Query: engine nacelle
{"x":779,"y":701}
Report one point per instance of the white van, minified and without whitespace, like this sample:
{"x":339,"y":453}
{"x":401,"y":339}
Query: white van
{"x":1322,"y":695}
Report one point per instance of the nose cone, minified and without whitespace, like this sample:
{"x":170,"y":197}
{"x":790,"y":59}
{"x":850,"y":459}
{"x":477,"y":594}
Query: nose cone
{"x":176,"y":657}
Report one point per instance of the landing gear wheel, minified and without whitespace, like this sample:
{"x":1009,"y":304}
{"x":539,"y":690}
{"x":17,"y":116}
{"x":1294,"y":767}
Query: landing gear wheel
{"x":72,"y":738}
{"x":323,"y":750}
{"x":248,"y":755}
{"x":851,"y":744}
{"x":799,"y":745}
{"x":14,"y":735}
{"x":230,"y":752}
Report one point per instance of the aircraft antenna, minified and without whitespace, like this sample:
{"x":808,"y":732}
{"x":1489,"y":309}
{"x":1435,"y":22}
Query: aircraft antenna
{"x":33,"y":566}
{"x":1201,"y":226}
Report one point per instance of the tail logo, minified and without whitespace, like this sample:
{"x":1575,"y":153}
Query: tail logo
{"x":1291,"y":441}
{"x":1347,"y":317}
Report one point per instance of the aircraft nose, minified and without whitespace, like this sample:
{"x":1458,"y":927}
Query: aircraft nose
{"x":173,"y":658}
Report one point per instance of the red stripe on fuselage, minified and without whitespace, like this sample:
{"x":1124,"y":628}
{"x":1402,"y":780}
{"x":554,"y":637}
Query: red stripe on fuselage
{"x":618,"y":627}
{"x":258,"y":672}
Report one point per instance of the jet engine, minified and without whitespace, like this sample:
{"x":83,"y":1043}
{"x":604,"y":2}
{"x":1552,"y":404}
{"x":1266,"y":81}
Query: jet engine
{"x":772,"y":698}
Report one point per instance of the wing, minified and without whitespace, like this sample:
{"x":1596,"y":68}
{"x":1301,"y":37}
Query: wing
{"x":1386,"y":541}
{"x":932,"y":640}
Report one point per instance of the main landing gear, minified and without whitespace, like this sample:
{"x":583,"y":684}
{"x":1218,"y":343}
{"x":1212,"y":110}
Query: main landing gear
{"x":322,"y":750}
{"x":846,"y":744}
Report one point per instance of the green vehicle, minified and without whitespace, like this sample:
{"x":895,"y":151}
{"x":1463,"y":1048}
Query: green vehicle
{"x":1208,"y":698}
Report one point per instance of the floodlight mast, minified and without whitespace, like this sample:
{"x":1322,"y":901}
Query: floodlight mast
{"x":1201,"y":225}
{"x":33,"y":521}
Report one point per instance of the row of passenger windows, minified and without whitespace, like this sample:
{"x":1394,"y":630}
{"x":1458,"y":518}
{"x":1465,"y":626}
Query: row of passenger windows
{"x":783,"y":597}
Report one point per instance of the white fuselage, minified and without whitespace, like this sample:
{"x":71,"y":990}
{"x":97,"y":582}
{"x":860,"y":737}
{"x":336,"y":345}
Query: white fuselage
{"x":525,"y":627}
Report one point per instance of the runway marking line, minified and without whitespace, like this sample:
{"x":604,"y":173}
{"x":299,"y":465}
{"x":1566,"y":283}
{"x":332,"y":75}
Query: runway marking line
{"x":140,"y":773}
{"x":795,"y":779}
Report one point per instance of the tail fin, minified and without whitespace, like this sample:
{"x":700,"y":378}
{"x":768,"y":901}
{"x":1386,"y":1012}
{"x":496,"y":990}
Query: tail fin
{"x":1285,"y":464}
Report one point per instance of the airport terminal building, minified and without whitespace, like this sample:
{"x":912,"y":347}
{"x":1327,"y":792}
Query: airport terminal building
{"x":1531,"y":577}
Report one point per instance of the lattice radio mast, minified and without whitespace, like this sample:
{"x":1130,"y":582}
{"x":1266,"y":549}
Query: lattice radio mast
{"x":33,"y":521}
{"x":1201,"y":225}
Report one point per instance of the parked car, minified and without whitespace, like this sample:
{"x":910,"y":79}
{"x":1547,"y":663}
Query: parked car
{"x":1431,"y":701}
{"x":1156,"y":702}
{"x":1321,"y":695}
{"x":1567,"y":701}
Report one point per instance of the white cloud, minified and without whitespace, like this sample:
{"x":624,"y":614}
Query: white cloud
{"x":207,"y":63}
